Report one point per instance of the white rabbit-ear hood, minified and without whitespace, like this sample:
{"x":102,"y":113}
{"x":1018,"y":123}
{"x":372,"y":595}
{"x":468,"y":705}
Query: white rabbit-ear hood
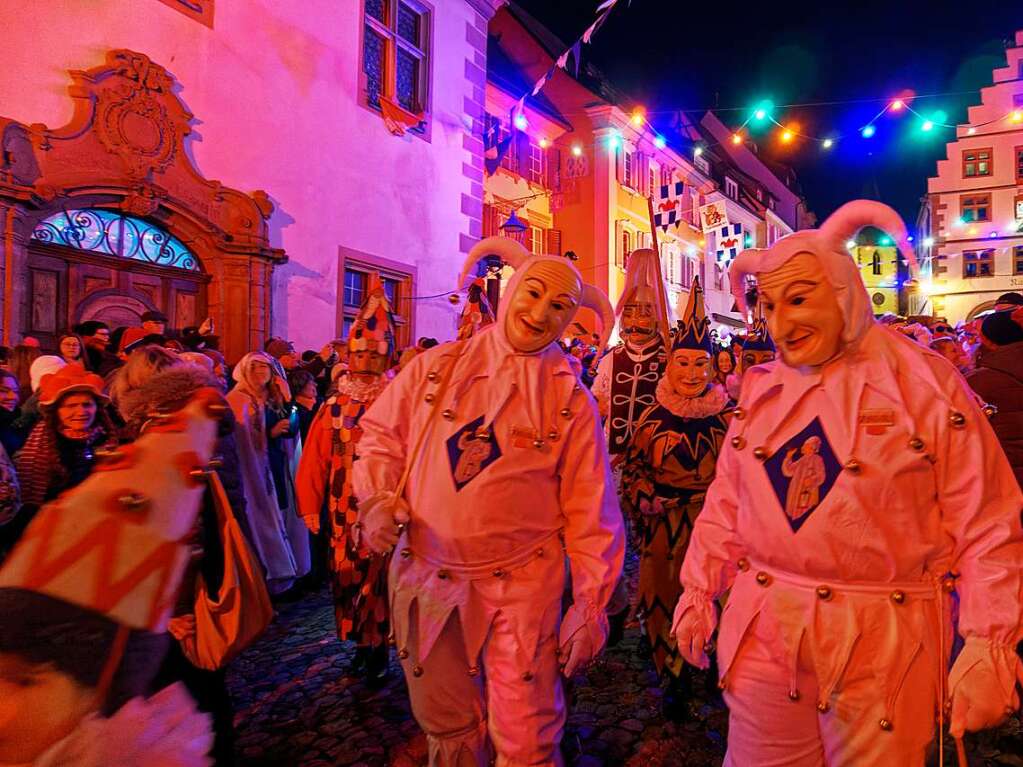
{"x":829,"y":245}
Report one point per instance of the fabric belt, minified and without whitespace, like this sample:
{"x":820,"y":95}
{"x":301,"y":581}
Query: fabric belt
{"x":516,"y":559}
{"x":929,"y":588}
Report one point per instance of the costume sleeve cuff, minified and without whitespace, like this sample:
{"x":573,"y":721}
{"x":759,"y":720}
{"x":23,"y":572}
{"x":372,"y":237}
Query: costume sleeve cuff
{"x":702,"y":602}
{"x":584,"y":615}
{"x":998,"y":660}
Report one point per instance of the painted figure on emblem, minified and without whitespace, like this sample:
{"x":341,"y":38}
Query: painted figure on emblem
{"x":358,"y":579}
{"x":860,"y":484}
{"x":628,"y":375}
{"x":485,"y":463}
{"x":666,"y":473}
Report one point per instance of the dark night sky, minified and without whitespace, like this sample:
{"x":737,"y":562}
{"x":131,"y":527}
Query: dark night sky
{"x":671,"y":55}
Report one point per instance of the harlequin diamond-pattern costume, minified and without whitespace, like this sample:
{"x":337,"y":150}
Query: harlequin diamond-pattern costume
{"x":358,"y":579}
{"x":667,"y":471}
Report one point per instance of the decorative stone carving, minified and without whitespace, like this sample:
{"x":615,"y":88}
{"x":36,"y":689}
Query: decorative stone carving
{"x":124,"y":149}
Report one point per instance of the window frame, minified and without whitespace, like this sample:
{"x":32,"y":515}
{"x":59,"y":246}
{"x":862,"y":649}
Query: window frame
{"x":1017,"y":260}
{"x":629,"y":169}
{"x":971,"y":202}
{"x":1019,"y":164}
{"x":392,"y":42}
{"x":978,"y":258}
{"x":538,"y":154}
{"x":731,"y":188}
{"x":403,"y":275}
{"x":976,"y":161}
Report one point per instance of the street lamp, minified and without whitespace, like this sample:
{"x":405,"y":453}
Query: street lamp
{"x":513,"y":225}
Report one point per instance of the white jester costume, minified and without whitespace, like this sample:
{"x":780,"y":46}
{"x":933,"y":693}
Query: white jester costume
{"x":627,"y":376}
{"x":508,"y":473}
{"x":845,"y":495}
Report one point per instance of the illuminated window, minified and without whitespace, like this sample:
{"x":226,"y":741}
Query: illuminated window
{"x":629,"y":170}
{"x":978,"y":263}
{"x":536,"y":244}
{"x":395,"y":53}
{"x":626,"y":248}
{"x":977,"y":162}
{"x":1017,"y":260}
{"x":975,"y":207}
{"x":536,"y":163}
{"x":731,"y":188}
{"x":1019,"y":165}
{"x":111,"y":233}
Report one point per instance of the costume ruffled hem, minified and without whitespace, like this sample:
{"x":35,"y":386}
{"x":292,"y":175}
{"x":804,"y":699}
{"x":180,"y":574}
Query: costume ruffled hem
{"x":711,"y":402}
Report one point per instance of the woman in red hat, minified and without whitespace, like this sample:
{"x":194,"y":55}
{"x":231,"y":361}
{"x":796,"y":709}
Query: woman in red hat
{"x":60,"y":451}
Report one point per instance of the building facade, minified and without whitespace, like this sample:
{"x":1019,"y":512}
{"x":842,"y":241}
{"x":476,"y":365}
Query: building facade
{"x":587,"y":165}
{"x":244,"y":161}
{"x":972,"y":218}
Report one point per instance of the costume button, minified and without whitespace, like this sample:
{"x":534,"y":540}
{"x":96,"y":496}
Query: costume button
{"x":917,"y":444}
{"x":553,"y":435}
{"x":949,"y":584}
{"x":442,"y":574}
{"x":823,"y":707}
{"x":406,"y":553}
{"x":527,"y":677}
{"x":957,"y":419}
{"x":823,"y":593}
{"x":482,"y":434}
{"x":793,"y":695}
{"x":852,"y":466}
{"x":499,"y":573}
{"x":417,"y":671}
{"x":538,"y":443}
{"x":743,"y":564}
{"x":763,"y":578}
{"x":448,"y":414}
{"x":403,"y":653}
{"x":760,"y":453}
{"x":885,"y":725}
{"x":739,"y":413}
{"x":474,"y":670}
{"x":738,"y":443}
{"x":429,"y":398}
{"x":539,"y":552}
{"x":566,"y":413}
{"x":431,"y":376}
{"x":990,"y":411}
{"x":898,"y":597}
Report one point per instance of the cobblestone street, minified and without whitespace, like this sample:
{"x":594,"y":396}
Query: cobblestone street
{"x":296,"y":705}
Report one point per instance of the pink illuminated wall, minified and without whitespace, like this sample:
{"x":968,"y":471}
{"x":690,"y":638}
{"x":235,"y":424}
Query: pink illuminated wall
{"x":274,"y":86}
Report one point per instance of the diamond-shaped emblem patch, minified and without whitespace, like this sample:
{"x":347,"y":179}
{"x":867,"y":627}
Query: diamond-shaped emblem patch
{"x":802,"y":473}
{"x":470,"y":451}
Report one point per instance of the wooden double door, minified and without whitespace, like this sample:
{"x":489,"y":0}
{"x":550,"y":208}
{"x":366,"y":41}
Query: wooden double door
{"x":67,"y":286}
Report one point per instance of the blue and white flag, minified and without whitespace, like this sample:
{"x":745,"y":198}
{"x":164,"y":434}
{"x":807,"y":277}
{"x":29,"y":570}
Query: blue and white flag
{"x":668,"y":212}
{"x":730,"y":242}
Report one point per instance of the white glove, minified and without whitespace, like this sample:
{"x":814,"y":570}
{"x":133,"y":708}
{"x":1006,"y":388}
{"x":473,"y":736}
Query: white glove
{"x":982,"y":684}
{"x":380,"y":516}
{"x":693,"y":626}
{"x":582,"y":637}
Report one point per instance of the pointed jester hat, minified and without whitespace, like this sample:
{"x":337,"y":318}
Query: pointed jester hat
{"x":373,"y":329}
{"x":828,"y":244}
{"x":758,"y":338}
{"x":644,"y":283}
{"x":476,"y":314}
{"x":515,"y":255}
{"x":694,"y":327}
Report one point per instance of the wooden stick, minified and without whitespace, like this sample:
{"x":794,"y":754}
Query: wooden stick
{"x":653,"y":228}
{"x":961,"y":753}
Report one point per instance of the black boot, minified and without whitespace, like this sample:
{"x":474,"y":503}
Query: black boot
{"x":616,"y":627}
{"x":360,"y":660}
{"x":678,"y":693}
{"x":378,"y":666}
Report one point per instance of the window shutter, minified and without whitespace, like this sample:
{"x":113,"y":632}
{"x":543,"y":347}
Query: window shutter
{"x":554,"y":241}
{"x":618,"y":251}
{"x":619,"y":165}
{"x":554,"y":169}
{"x":522,"y":138}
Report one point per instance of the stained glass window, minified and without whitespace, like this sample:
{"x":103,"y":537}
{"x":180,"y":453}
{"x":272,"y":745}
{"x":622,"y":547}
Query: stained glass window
{"x":113,"y":234}
{"x":373,"y":65}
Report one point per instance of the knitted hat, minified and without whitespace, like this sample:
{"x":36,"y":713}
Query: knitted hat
{"x":693,"y":326}
{"x":70,"y":378}
{"x":1003,"y":328}
{"x":477,"y":313}
{"x":117,"y":542}
{"x":42,"y":366}
{"x":278,"y":347}
{"x":373,"y":329}
{"x":132,"y":338}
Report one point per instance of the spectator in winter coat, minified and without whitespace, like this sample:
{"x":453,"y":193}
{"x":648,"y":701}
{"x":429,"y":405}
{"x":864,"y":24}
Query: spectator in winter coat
{"x":998,"y":380}
{"x":12,"y":432}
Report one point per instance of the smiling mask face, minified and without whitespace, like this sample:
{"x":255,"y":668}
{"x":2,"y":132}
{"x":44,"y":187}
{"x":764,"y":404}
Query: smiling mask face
{"x":802,"y":311}
{"x":541,"y":306}
{"x":689,"y":372}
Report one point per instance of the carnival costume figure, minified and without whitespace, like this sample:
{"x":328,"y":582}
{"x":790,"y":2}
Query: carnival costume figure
{"x":859,"y":484}
{"x":666,"y":473}
{"x":86,"y":596}
{"x":507,"y":474}
{"x":757,"y":349}
{"x":627,"y":376}
{"x":358,"y":579}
